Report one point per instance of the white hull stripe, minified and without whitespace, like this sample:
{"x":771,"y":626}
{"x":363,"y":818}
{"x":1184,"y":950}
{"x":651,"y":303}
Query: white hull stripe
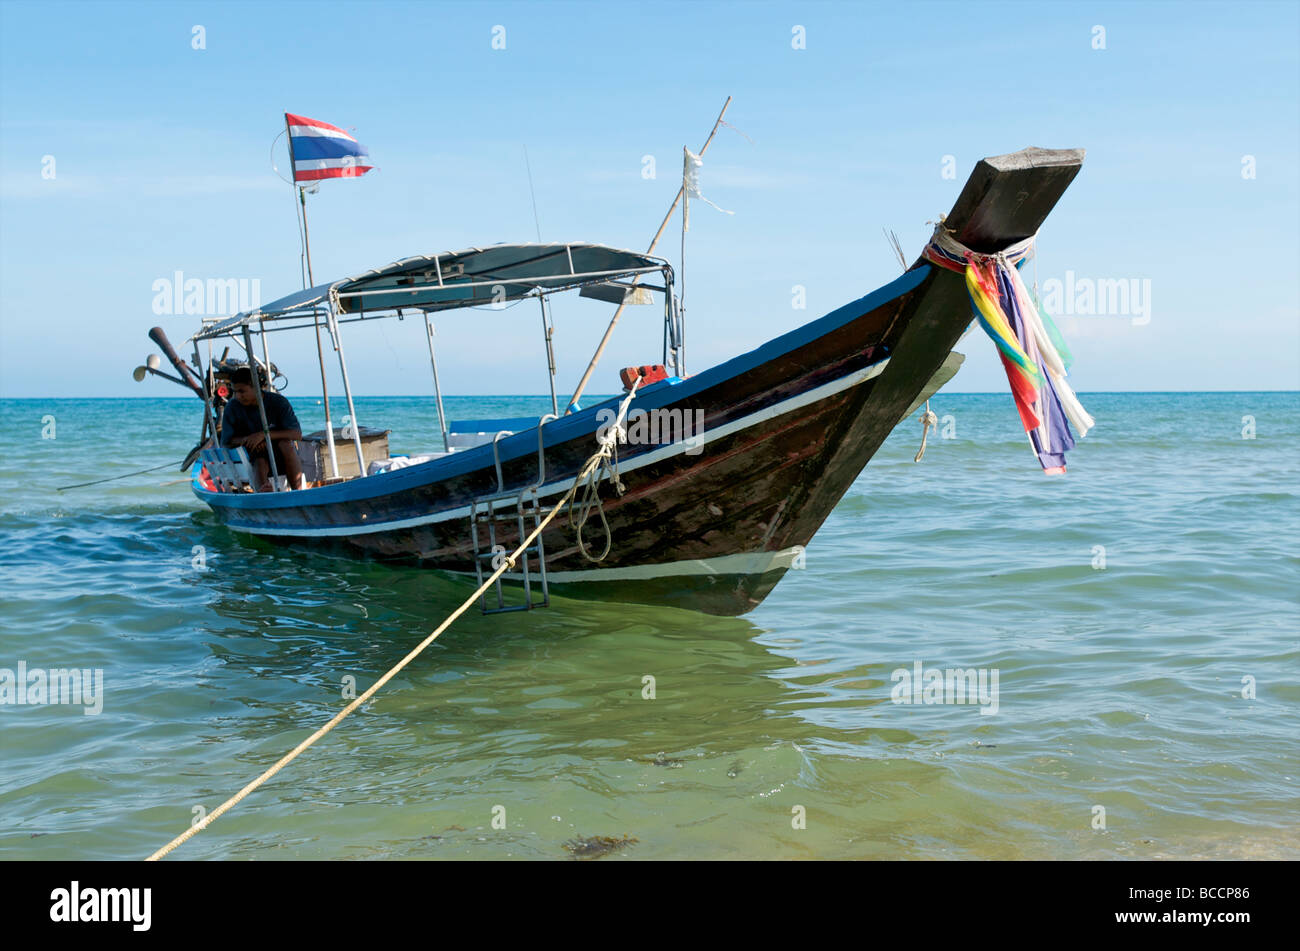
{"x":806,"y":398}
{"x":746,"y":563}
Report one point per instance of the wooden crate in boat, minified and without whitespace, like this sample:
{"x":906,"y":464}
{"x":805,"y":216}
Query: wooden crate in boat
{"x":314,"y":452}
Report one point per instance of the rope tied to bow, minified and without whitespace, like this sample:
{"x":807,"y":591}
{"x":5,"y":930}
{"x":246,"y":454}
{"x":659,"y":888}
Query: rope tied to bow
{"x":606,"y":467}
{"x":928,"y":419}
{"x":1026,"y":340}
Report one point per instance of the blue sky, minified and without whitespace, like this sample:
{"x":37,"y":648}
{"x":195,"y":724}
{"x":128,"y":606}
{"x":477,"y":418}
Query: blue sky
{"x":162,"y":164}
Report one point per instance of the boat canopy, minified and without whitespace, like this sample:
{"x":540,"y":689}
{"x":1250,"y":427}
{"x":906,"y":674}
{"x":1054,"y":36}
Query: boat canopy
{"x":474,"y":277}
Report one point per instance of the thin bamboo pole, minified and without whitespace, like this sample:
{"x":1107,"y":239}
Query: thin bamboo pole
{"x":600,"y":350}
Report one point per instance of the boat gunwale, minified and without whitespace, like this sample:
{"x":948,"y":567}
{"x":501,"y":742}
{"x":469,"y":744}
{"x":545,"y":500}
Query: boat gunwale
{"x":556,"y":432}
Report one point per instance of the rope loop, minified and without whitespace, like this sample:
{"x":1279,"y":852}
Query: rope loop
{"x":947,"y":252}
{"x":928,"y":419}
{"x":588,"y":481}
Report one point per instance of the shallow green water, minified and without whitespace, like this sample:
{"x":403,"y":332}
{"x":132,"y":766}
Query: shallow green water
{"x":1119,"y":687}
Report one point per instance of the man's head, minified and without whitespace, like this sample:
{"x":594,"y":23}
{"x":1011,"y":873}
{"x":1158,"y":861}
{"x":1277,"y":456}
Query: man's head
{"x":241,"y":382}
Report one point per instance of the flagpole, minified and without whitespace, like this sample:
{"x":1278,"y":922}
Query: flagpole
{"x":306,"y":234}
{"x":311,"y":282}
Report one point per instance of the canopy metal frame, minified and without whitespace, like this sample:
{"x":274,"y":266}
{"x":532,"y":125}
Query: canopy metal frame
{"x":329,"y":305}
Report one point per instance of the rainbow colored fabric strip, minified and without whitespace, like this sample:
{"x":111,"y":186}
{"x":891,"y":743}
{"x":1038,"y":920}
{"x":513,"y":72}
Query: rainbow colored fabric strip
{"x":1026,"y":343}
{"x":984,"y":295}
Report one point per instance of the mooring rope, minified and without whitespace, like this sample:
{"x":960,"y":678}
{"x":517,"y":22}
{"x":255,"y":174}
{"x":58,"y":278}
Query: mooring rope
{"x":124,"y":475}
{"x":606,"y":448}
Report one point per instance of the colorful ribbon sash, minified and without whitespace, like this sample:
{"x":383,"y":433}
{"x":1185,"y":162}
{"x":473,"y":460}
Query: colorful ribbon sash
{"x":1029,"y":344}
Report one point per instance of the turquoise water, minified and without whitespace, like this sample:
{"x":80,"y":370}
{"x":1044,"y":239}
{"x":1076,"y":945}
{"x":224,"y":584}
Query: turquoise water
{"x":1120,"y":682}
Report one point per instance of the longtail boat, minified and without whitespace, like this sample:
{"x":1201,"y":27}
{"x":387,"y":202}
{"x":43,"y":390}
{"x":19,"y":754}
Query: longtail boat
{"x":731,"y":472}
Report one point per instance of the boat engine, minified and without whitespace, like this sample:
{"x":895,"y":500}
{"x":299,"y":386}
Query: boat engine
{"x":195,"y":379}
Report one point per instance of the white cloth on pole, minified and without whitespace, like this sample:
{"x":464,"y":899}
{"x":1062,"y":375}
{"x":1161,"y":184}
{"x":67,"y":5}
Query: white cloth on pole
{"x":691,"y":187}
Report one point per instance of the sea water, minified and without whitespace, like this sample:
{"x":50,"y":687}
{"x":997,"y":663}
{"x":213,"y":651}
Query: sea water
{"x":1129,"y":634}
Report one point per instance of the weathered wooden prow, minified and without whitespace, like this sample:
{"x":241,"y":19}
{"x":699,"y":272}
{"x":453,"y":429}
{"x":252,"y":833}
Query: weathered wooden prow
{"x":1008,"y":197}
{"x":1005,"y":200}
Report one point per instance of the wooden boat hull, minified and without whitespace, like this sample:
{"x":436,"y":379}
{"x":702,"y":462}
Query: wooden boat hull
{"x":713,"y":522}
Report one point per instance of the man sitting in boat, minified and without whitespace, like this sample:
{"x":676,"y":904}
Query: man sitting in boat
{"x":241,"y":425}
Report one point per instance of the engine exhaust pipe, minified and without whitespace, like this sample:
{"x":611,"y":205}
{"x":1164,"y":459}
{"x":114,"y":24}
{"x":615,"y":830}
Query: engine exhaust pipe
{"x":187,"y":376}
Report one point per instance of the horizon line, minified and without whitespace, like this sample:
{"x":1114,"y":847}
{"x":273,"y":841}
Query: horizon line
{"x":547,"y":396}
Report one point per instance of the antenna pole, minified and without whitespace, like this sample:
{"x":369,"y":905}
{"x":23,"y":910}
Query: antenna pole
{"x":582,"y":384}
{"x":532,"y":194}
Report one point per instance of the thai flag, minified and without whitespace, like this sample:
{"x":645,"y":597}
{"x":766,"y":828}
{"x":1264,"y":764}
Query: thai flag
{"x":320,"y":150}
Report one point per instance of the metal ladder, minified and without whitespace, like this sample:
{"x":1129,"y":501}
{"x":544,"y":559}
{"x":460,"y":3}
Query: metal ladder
{"x":488,"y":512}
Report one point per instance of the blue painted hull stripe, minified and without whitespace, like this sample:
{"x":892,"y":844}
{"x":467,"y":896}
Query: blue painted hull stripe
{"x":556,"y":488}
{"x":566,"y":428}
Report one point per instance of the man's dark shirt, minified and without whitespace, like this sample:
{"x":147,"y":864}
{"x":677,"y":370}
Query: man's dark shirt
{"x":240,"y":420}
